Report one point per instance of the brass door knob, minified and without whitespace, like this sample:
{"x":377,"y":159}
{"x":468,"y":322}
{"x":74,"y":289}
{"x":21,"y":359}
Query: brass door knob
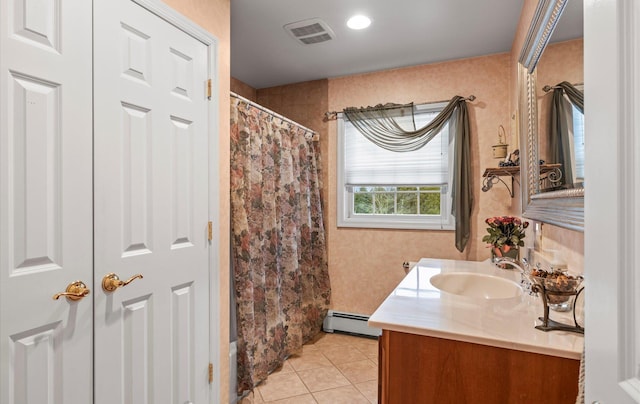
{"x":111,"y":281}
{"x":75,"y":291}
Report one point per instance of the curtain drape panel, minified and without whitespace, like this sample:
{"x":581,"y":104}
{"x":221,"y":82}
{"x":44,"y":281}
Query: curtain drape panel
{"x":379,"y":126}
{"x":279,"y":254}
{"x":462,"y":182}
{"x":559,"y":136}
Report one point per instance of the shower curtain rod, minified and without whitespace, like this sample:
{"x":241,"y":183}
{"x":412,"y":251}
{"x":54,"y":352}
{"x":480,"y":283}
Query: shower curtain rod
{"x":333,"y":115}
{"x":315,"y":135}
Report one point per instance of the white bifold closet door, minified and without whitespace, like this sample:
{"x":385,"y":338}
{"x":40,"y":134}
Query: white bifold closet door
{"x":104,"y":169}
{"x":151,"y":208}
{"x":45,"y":201}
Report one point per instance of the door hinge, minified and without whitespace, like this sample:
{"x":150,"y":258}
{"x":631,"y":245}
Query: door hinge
{"x":209,"y":89}
{"x":210,"y":231}
{"x":210,"y":373}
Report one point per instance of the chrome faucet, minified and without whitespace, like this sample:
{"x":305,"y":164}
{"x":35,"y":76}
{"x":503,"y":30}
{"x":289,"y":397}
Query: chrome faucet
{"x":510,"y":261}
{"x":524,"y":280}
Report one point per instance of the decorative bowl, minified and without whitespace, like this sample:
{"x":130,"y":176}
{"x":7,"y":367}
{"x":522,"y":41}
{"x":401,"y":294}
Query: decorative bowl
{"x":557,"y":282}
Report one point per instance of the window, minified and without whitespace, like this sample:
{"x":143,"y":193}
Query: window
{"x":378,"y":188}
{"x":578,"y":144}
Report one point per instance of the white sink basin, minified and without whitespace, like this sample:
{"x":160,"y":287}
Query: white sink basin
{"x":476,"y":285}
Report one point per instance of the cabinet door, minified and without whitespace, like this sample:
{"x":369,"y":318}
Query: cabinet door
{"x":45,"y":201}
{"x":429,"y":370}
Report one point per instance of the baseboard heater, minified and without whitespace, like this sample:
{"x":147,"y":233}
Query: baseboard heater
{"x":350,"y":323}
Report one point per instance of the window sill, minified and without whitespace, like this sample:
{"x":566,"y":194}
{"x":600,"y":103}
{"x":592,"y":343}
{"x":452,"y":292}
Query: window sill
{"x":407,"y":224}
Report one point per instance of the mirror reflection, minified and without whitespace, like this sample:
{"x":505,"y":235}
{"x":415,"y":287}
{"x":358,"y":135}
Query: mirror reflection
{"x":561,"y":123}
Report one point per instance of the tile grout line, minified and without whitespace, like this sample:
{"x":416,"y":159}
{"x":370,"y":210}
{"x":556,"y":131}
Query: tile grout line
{"x":335,"y":366}
{"x":350,"y":347}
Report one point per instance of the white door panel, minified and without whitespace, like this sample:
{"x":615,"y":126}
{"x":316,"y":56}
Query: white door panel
{"x":151,"y":185}
{"x":612,"y":208}
{"x":45,"y":201}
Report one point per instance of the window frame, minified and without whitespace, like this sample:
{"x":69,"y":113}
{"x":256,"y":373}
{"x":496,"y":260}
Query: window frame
{"x":345,"y":198}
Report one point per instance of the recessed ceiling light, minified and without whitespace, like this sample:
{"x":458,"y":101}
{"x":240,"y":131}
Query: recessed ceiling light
{"x":359,"y":22}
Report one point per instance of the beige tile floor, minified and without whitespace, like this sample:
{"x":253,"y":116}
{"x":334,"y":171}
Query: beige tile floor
{"x":334,"y":369}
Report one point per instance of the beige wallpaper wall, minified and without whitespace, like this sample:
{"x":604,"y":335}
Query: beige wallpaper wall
{"x":215,"y":16}
{"x":528,"y":10}
{"x":243,"y":89}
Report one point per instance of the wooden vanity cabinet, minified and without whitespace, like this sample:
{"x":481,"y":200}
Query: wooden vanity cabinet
{"x":419,"y":369}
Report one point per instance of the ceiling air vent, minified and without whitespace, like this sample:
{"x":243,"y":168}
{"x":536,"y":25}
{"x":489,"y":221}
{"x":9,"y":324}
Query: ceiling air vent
{"x":310,"y":31}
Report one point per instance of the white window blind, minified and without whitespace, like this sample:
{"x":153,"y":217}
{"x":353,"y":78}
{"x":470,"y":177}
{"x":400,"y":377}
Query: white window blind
{"x":578,"y":143}
{"x":368,"y":164}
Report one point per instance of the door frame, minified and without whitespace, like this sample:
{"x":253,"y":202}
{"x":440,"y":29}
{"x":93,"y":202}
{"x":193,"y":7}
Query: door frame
{"x":181,"y":22}
{"x":612,"y":217}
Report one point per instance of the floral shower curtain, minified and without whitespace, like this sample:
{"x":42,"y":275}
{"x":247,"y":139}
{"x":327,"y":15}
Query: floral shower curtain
{"x":279,"y":255}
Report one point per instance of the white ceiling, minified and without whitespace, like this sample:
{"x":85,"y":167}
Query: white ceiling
{"x":403,"y":33}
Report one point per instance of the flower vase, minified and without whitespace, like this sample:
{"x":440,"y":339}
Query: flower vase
{"x":504,"y":251}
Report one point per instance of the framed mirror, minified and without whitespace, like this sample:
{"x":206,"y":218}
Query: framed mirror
{"x":565,"y":207}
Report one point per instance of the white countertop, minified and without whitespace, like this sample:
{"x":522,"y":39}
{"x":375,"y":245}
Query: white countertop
{"x":417,"y":307}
